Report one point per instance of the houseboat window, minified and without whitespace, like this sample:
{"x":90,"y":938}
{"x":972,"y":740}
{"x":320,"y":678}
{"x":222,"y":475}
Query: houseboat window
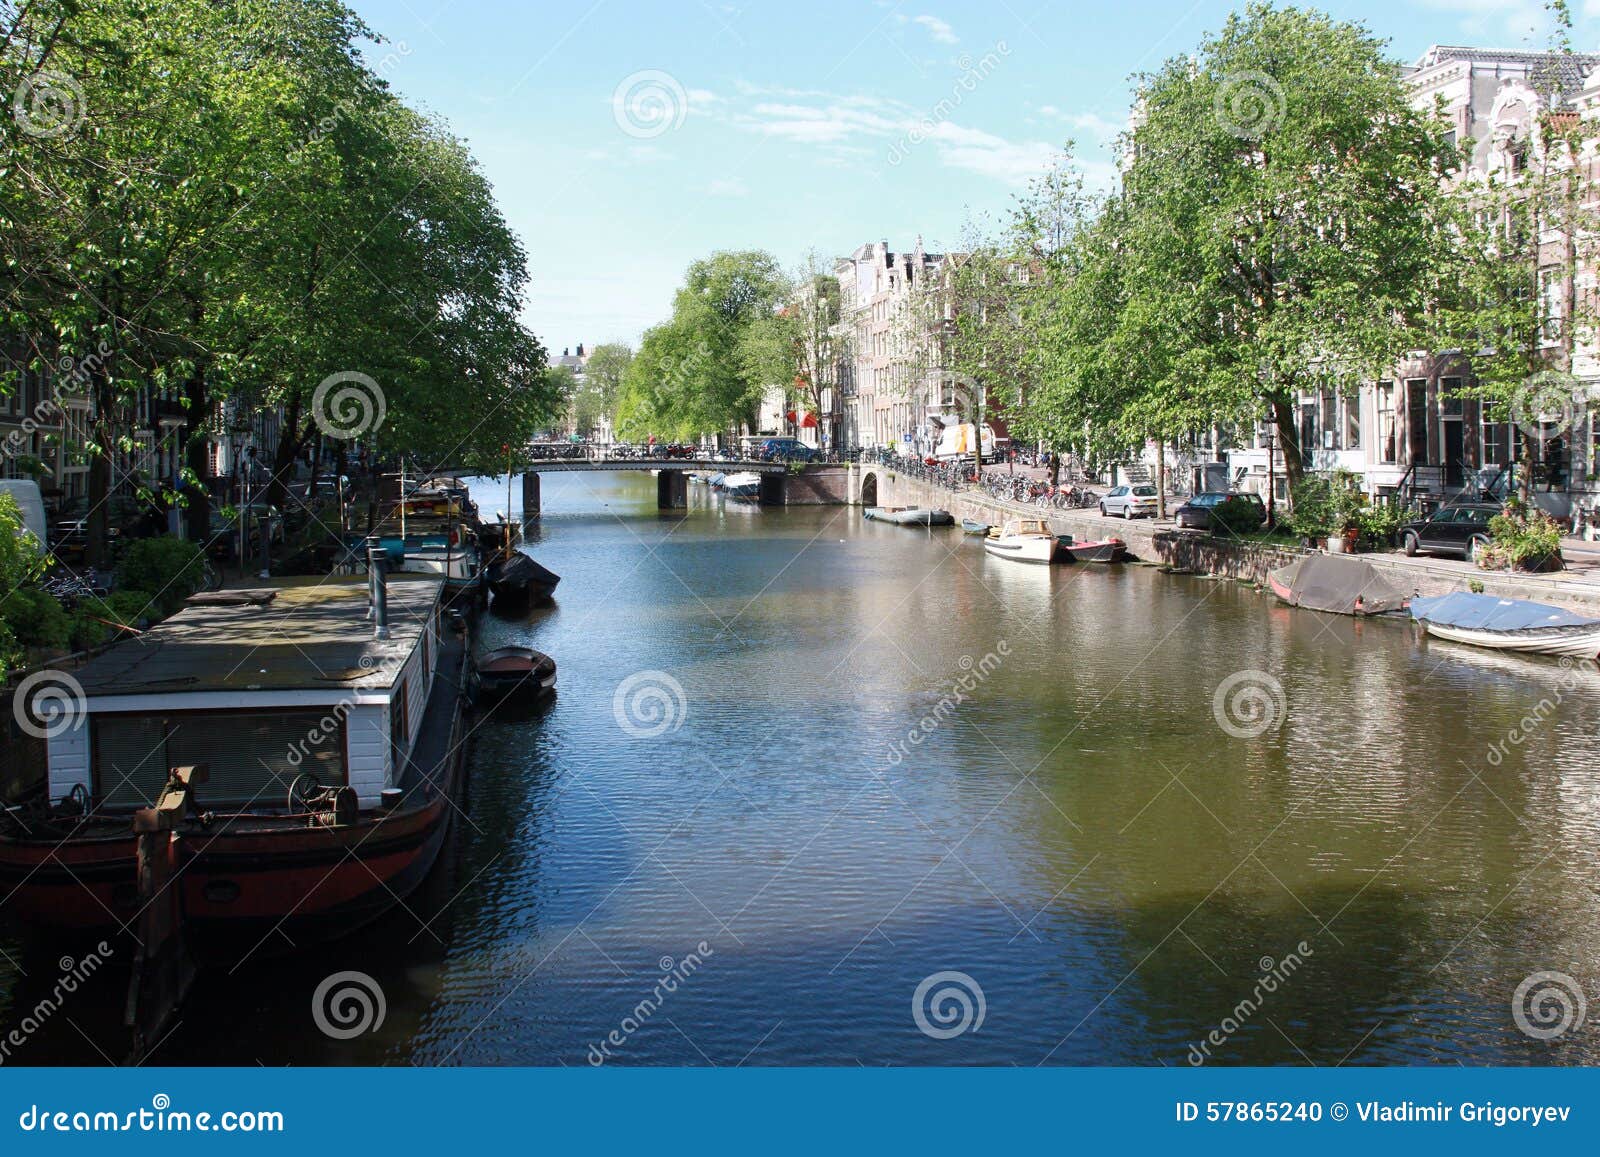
{"x":253,"y":758}
{"x":397,"y":722}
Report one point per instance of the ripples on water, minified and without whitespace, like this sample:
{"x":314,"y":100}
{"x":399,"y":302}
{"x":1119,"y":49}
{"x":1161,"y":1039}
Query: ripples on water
{"x":1079,"y":836}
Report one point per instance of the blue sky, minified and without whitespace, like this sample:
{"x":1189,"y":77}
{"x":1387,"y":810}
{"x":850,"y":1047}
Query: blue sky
{"x":625,"y":139}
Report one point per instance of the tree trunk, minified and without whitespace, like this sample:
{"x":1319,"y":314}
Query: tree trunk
{"x":98,"y":528}
{"x":289,"y":441}
{"x":197,"y":511}
{"x":1283,"y":417}
{"x":1161,"y":478}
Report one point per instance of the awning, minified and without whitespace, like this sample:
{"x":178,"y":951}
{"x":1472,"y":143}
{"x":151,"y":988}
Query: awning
{"x":809,"y":422}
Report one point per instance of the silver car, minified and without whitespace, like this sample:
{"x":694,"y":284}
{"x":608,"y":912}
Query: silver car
{"x":1128,"y":501}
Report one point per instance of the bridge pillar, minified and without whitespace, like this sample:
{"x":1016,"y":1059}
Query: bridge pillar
{"x":530,"y":498}
{"x":672,"y":490}
{"x":773,"y":489}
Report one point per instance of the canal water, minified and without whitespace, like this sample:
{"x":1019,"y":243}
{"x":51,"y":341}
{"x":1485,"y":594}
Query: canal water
{"x":823,"y":791}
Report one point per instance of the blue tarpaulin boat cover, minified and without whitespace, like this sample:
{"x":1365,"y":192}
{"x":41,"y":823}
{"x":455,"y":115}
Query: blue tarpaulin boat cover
{"x":1488,"y":613}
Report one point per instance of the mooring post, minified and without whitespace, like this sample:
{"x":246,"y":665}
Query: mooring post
{"x":530,"y":498}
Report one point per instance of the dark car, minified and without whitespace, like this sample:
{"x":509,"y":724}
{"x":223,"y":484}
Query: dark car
{"x":1196,"y":514}
{"x":785,"y":450}
{"x":1458,"y":530}
{"x":125,"y":518}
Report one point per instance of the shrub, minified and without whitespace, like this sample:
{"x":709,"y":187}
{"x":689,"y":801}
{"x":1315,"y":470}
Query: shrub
{"x":36,"y":620}
{"x":168,"y":567}
{"x":1522,"y":537}
{"x":1323,"y":505}
{"x":1378,"y":523}
{"x":20,"y":558}
{"x":1236,"y":515}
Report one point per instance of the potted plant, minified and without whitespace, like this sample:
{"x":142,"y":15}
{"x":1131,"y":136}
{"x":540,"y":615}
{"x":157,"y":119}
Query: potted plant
{"x":1523,"y":538}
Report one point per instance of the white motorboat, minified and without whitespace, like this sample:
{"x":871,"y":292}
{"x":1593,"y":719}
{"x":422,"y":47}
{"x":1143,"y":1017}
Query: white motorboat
{"x":745,"y":484}
{"x":1023,"y":540}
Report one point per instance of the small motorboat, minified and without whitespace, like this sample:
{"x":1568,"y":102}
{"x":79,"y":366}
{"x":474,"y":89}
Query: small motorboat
{"x":909,"y":516}
{"x":519,"y":673}
{"x":973,"y":526}
{"x":1336,"y":583}
{"x":1508,"y":625}
{"x":516,"y":578}
{"x":1023,"y":540}
{"x":1094,"y":550}
{"x":744,"y":484}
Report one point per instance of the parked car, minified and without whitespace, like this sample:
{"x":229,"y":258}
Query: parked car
{"x":1458,"y":530}
{"x":126,"y":518}
{"x":1129,"y":501}
{"x":1196,"y":514}
{"x":785,"y":450}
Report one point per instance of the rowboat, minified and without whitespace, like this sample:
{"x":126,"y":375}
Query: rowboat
{"x":1336,"y":583}
{"x":1094,"y":550}
{"x":1023,"y":540}
{"x":516,"y":673}
{"x":973,"y":526}
{"x":909,"y":516}
{"x":1508,"y":625}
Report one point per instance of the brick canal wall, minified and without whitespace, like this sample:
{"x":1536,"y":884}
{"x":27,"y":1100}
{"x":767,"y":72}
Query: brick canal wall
{"x":1186,"y":550}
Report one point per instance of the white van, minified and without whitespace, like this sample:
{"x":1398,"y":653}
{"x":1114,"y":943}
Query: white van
{"x":31,"y":503}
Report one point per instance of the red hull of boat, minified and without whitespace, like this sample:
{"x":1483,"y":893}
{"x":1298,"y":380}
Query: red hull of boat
{"x":333,"y":876}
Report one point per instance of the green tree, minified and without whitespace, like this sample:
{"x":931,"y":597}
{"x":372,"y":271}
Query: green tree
{"x":1282,"y":214}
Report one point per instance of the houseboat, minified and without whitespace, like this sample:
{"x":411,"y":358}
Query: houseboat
{"x":285,"y":759}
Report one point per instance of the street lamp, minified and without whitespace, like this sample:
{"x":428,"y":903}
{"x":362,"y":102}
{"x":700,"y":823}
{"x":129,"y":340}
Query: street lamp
{"x":1269,"y":431}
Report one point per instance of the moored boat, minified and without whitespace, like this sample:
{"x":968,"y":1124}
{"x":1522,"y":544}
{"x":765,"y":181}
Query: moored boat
{"x":329,"y":762}
{"x":909,"y":515}
{"x":516,"y":673}
{"x":1023,"y":540}
{"x":1093,"y":550}
{"x":1336,"y":583}
{"x":744,"y":484}
{"x":973,"y":526}
{"x":1508,"y":625}
{"x":517,"y":579}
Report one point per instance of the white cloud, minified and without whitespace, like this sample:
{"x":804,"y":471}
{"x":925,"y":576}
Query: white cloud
{"x":940,"y":30}
{"x":1093,"y":126}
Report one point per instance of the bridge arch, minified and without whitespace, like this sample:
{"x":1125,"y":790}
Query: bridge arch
{"x":869,"y":489}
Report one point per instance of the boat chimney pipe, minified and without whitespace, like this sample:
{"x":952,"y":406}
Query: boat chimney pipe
{"x":378,"y":587}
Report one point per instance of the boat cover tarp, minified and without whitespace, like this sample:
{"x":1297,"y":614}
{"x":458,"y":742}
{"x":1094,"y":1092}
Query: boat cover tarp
{"x":1333,"y":582}
{"x":1488,"y":613}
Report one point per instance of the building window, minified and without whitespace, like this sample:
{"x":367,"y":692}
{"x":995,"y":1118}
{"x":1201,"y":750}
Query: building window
{"x":1386,"y":425}
{"x":1417,"y":419}
{"x":1496,"y":437}
{"x":1550,"y":303}
{"x":1352,"y":422}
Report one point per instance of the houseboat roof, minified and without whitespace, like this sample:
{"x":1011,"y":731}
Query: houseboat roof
{"x":312,"y":635}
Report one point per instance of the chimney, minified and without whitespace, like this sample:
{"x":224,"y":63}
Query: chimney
{"x":377,"y":588}
{"x":580,"y":349}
